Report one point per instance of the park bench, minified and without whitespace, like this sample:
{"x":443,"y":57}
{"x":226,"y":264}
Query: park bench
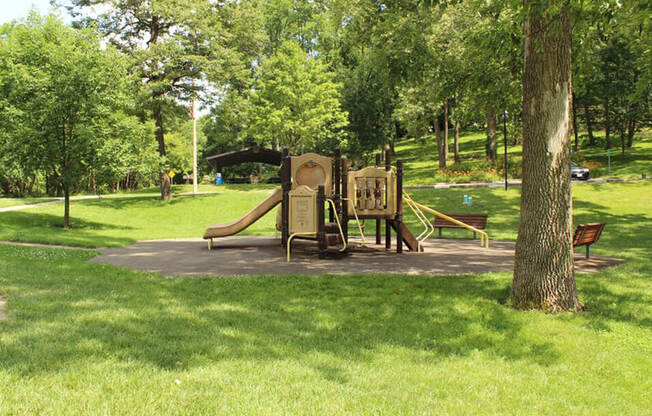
{"x":478,"y":221}
{"x":587,"y":234}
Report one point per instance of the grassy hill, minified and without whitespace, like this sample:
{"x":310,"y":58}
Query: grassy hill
{"x":421,"y":167}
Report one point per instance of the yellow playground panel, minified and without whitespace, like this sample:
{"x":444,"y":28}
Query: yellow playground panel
{"x":373,"y":191}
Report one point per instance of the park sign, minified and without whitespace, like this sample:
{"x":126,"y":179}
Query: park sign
{"x":171,"y":174}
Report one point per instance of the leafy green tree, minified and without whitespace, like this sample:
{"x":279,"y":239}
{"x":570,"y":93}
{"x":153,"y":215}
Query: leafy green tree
{"x":611,"y":78}
{"x":64,"y":97}
{"x":296,"y":102}
{"x":171,"y":43}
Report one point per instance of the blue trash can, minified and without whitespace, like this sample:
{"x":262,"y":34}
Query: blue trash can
{"x":218,"y":179}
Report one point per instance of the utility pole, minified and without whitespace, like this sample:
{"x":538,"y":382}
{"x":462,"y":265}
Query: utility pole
{"x":193,"y":114}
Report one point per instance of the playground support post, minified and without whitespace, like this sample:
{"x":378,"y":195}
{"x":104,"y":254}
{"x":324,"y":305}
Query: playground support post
{"x":345,"y":194}
{"x":399,"y":205}
{"x":388,"y":222}
{"x":321,"y":235}
{"x":285,"y":204}
{"x":338,"y":181}
{"x":378,"y":233}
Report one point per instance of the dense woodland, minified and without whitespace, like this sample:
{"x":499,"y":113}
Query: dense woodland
{"x":102,"y":105}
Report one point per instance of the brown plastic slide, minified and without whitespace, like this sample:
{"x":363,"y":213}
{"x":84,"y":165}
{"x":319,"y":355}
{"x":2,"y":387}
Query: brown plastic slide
{"x":249,"y":218}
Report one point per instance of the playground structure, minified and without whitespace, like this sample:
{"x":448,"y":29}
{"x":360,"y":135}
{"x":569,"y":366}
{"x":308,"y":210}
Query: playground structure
{"x":315,"y":188}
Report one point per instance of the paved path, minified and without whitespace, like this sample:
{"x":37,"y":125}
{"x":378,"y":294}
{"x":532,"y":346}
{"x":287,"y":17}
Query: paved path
{"x":233,"y":256}
{"x":40,"y":204}
{"x":39,"y":245}
{"x":52,"y":201}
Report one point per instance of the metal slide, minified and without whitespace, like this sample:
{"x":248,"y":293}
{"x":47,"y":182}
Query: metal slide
{"x":257,"y":212}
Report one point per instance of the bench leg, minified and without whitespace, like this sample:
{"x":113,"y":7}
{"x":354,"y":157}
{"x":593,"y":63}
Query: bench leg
{"x":588,"y":251}
{"x":474,"y":235}
{"x":439,"y":232}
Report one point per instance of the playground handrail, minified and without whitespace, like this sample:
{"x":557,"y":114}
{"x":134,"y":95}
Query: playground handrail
{"x":339,"y":226}
{"x":355,"y":214}
{"x":484,"y":237}
{"x":429,"y":229}
{"x":311,"y":234}
{"x":289,"y":243}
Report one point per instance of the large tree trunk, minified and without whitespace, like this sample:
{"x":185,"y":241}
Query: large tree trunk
{"x":492,"y":134}
{"x":631,"y":129}
{"x":441,"y":155}
{"x":446,"y":151}
{"x":589,"y":125}
{"x":543,"y":269}
{"x":577,"y":143}
{"x":66,"y":206}
{"x":607,"y":124}
{"x":621,"y":130}
{"x":166,"y":189}
{"x":457,"y":140}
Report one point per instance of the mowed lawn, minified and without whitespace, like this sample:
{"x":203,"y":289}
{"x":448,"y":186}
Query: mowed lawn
{"x":420,"y":158}
{"x":122,"y":219}
{"x":82,"y":338}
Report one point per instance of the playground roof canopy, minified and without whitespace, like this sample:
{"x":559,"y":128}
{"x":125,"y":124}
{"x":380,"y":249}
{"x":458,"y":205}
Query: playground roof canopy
{"x":250,"y":154}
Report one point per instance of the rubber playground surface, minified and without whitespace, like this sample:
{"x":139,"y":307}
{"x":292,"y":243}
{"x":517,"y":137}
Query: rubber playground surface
{"x":247,"y":255}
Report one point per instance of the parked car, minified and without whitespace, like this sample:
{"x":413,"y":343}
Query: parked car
{"x":579,"y":172}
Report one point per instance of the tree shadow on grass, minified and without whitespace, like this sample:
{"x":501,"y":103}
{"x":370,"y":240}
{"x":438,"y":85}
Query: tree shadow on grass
{"x":48,"y":229}
{"x":135,"y":317}
{"x":624,"y":305}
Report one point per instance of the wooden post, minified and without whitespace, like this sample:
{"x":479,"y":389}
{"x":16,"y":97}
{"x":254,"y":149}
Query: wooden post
{"x":388,"y":225}
{"x":345,"y":204}
{"x":378,"y":233}
{"x":321,"y":234}
{"x":337,"y":182}
{"x":286,"y":184}
{"x":399,"y":205}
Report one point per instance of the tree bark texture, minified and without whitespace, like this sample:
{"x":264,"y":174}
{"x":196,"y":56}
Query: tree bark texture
{"x":457,"y":140}
{"x":66,"y":206}
{"x":607,"y":124}
{"x":446,"y":151}
{"x":543,"y":269}
{"x":631,"y":129}
{"x":577,"y":143}
{"x":589,"y":125}
{"x":166,"y":189}
{"x":492,"y":134}
{"x":441,"y":155}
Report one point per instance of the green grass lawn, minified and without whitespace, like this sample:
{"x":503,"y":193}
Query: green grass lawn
{"x":82,"y":338}
{"x":122,"y":219}
{"x":421,"y":168}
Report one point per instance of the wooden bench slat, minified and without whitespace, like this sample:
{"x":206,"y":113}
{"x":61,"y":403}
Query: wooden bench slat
{"x":478,"y":221}
{"x":475,"y":220}
{"x":587,"y":234}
